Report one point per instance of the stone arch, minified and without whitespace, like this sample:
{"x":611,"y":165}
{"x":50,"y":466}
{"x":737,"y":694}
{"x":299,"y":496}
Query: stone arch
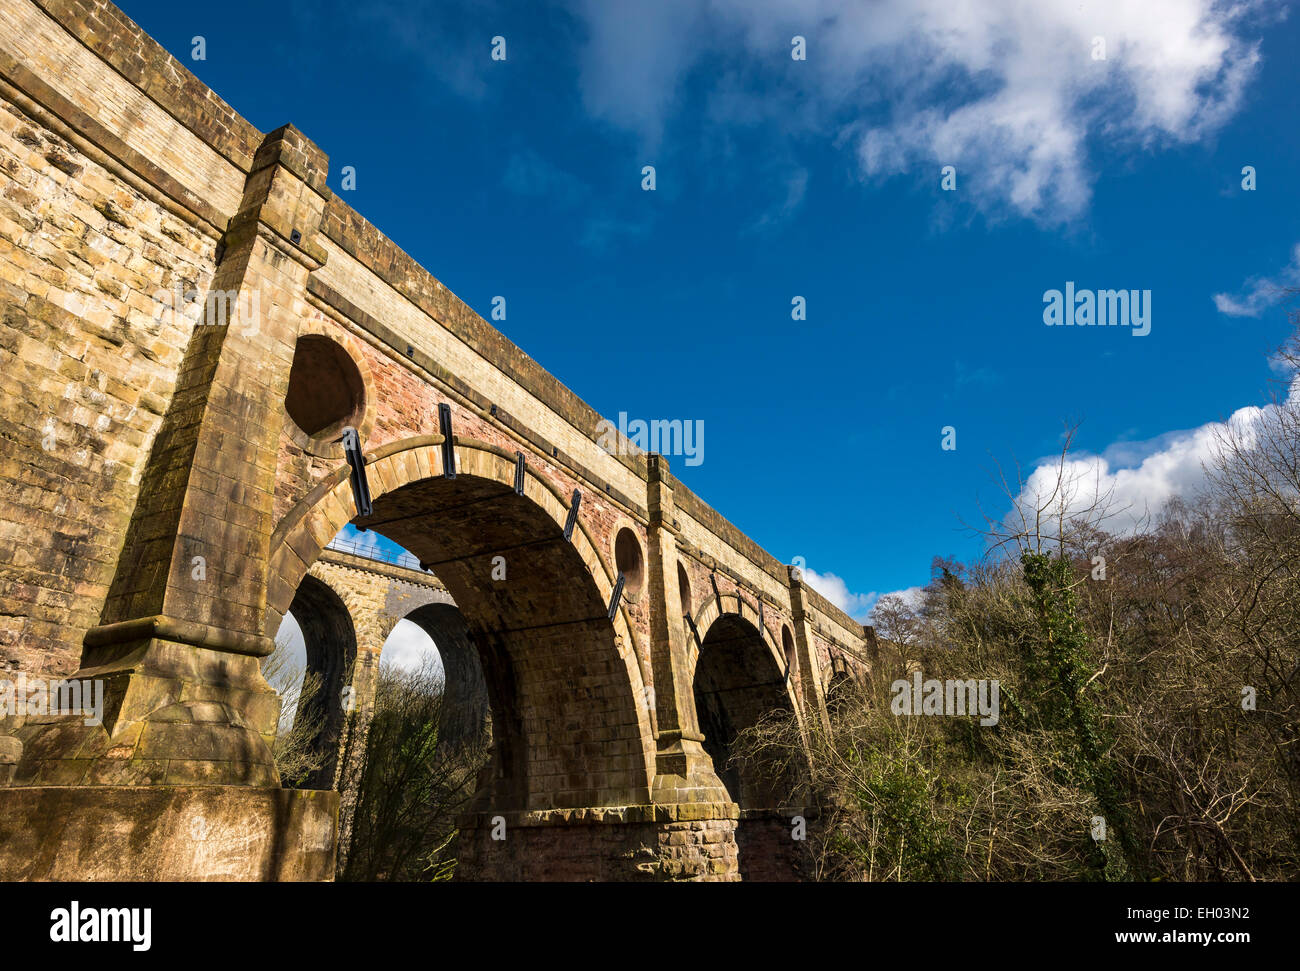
{"x":330,"y":640}
{"x":571,"y":726}
{"x":738,"y":675}
{"x":840,"y":679}
{"x":466,"y":710}
{"x":432,"y":596}
{"x":712,"y":608}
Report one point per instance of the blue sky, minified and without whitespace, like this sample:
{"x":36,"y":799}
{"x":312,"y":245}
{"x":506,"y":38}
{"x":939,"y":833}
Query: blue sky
{"x":821,"y":178}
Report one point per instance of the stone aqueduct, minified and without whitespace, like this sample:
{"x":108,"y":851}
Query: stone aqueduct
{"x":171,"y":478}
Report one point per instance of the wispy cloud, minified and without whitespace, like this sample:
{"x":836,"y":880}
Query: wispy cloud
{"x":432,"y":36}
{"x":796,"y":186}
{"x":1259,"y":293}
{"x":634,"y":59}
{"x":528,"y":174}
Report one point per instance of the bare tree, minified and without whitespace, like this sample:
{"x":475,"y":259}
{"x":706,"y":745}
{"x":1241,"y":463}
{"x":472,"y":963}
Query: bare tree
{"x":295,"y":751}
{"x":409,"y":787}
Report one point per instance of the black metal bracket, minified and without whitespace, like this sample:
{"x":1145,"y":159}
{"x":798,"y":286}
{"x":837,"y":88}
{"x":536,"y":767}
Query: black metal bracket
{"x":616,"y":596}
{"x":448,"y":446}
{"x":360,"y":485}
{"x":573,"y":515}
{"x":760,"y":616}
{"x":695,"y":631}
{"x":520,"y":464}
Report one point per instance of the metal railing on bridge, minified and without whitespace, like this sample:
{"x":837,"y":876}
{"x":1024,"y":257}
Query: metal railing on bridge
{"x":370,"y":551}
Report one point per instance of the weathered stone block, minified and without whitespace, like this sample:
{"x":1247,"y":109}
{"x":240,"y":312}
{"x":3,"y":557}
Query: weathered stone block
{"x":191,"y":833}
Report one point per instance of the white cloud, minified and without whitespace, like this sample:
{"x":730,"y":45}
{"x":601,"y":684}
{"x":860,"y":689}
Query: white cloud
{"x":1008,"y":91}
{"x":834,"y":589}
{"x":366,"y":543}
{"x":911,"y":596}
{"x":291,"y":634}
{"x":408,"y":646}
{"x":1259,"y":293}
{"x":1138,"y":478}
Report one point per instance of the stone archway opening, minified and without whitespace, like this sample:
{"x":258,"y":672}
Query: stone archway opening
{"x":839,"y":684}
{"x":564,"y":725}
{"x":330,"y":646}
{"x":737,"y":683}
{"x":573,"y":748}
{"x":466,"y":718}
{"x":419,"y":746}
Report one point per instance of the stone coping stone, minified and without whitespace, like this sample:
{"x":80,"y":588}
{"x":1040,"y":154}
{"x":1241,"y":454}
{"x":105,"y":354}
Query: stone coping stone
{"x":607,"y":815}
